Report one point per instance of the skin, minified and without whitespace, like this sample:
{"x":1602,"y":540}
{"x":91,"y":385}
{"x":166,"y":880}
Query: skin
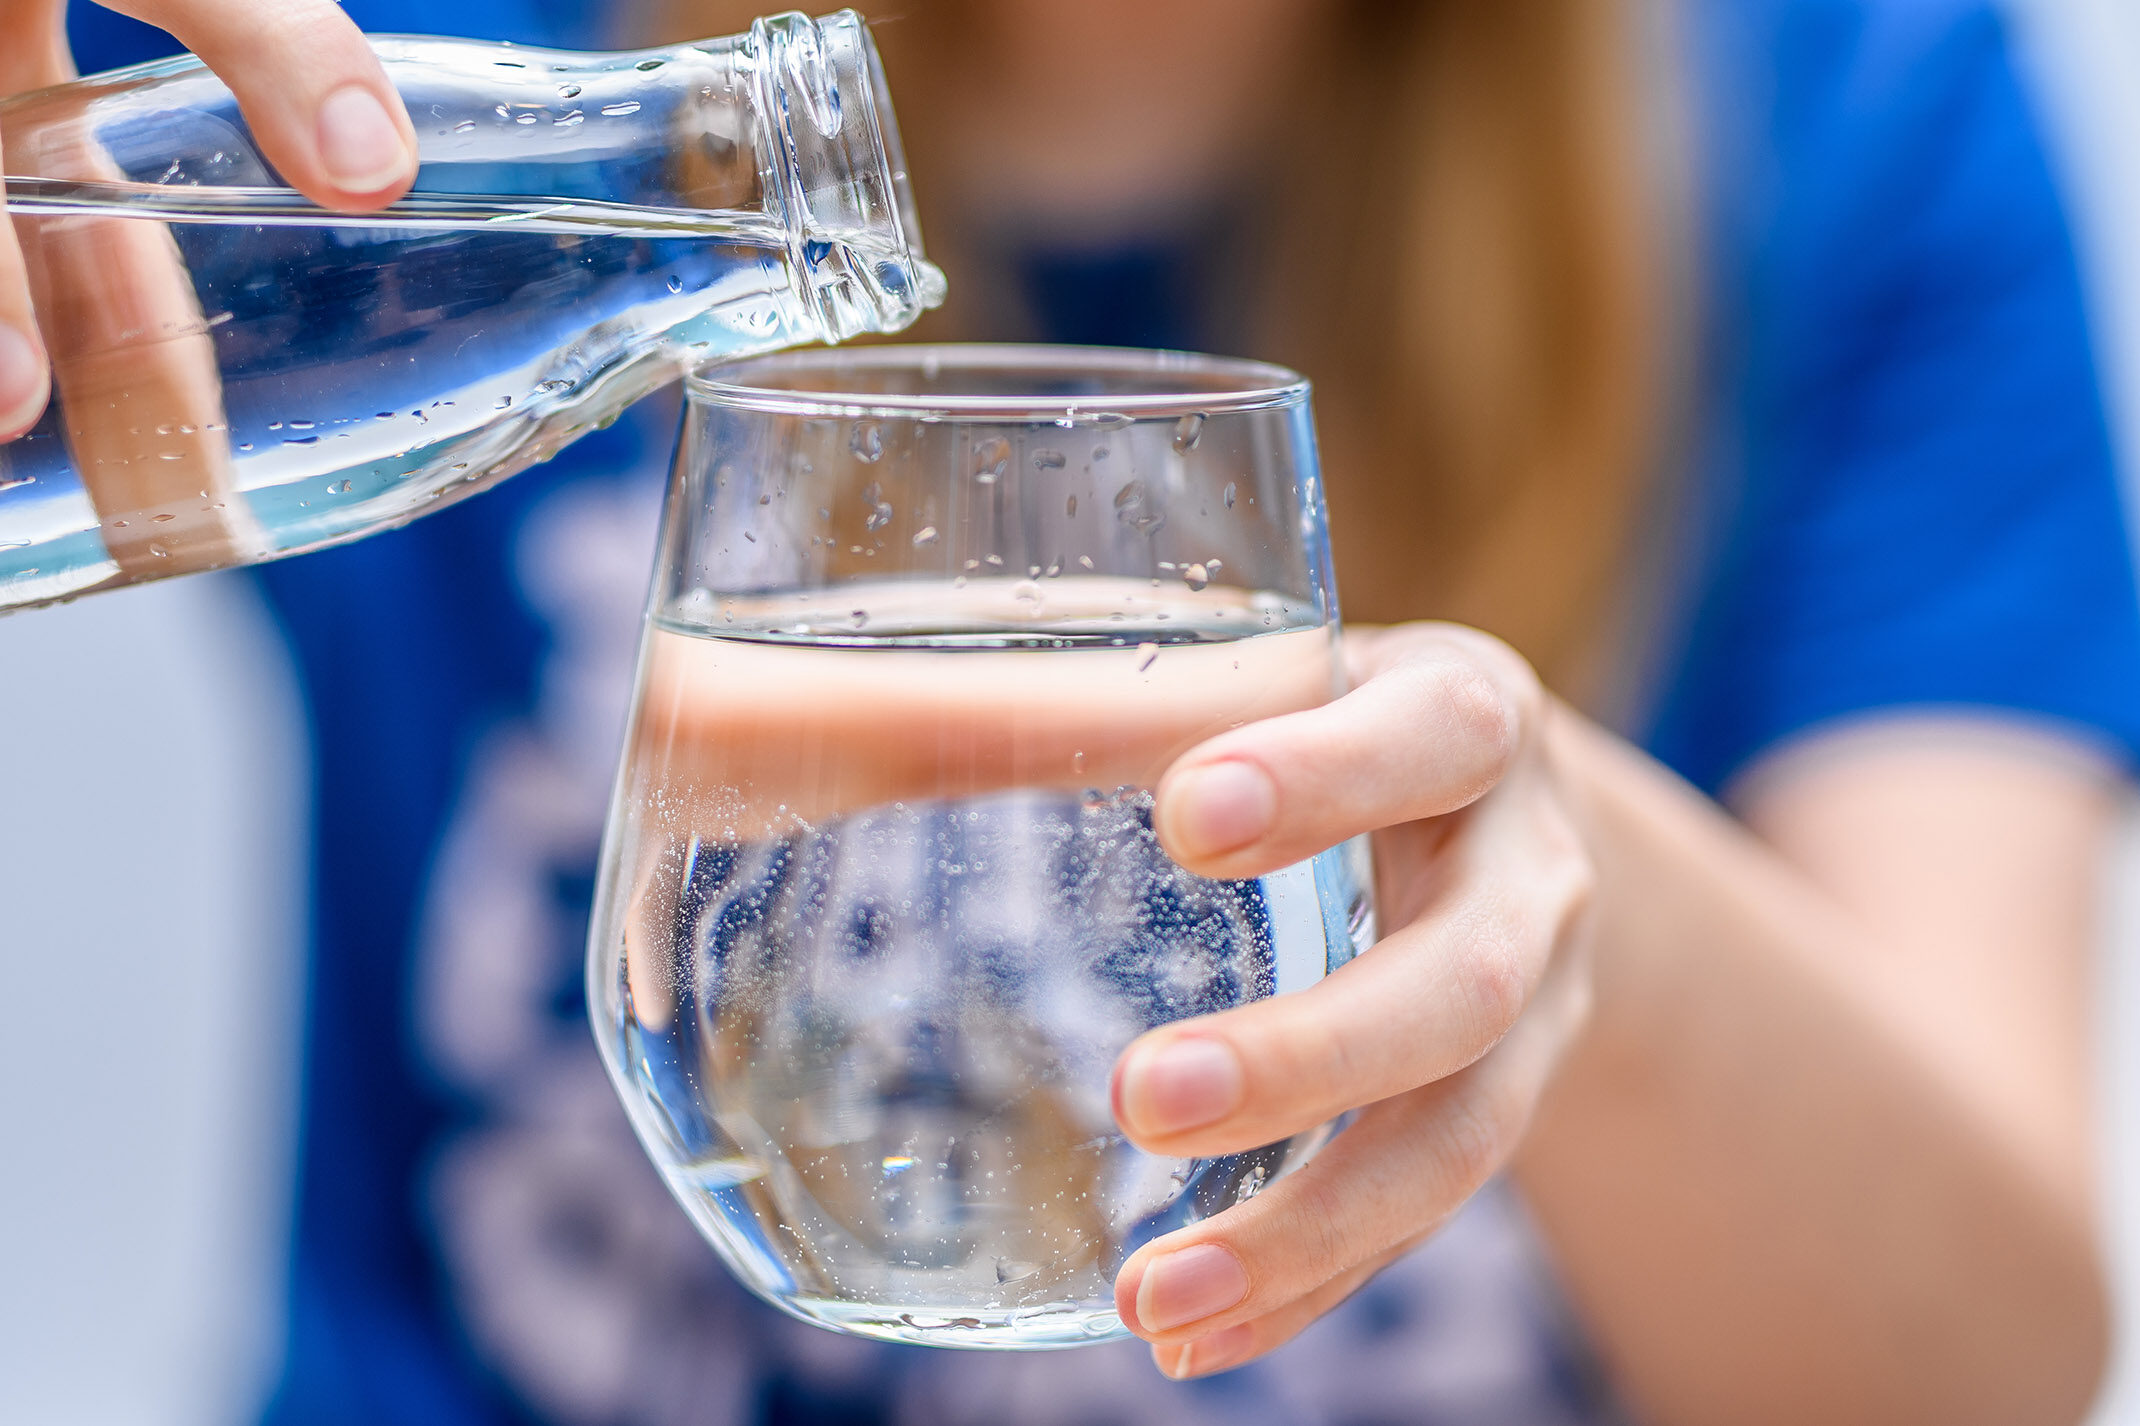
{"x":1799,"y":1096}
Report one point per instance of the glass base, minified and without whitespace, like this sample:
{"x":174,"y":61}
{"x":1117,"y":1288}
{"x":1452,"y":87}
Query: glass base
{"x":1048,"y":1327}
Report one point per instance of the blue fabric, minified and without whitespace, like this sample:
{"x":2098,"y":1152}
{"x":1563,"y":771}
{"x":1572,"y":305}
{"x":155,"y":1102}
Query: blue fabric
{"x":1903,"y":497}
{"x":1904,"y":433}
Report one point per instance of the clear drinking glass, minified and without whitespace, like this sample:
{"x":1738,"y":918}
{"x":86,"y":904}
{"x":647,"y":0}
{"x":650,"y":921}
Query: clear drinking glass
{"x":881,"y":902}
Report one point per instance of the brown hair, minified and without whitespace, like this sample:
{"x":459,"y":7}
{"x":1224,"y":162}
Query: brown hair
{"x":1488,"y":350}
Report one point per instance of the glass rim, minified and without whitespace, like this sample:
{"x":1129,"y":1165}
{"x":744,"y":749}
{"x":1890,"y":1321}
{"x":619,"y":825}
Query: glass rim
{"x":1238,"y":383}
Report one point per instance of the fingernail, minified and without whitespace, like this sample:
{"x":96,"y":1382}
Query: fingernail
{"x":24,"y":387}
{"x":1182,"y":1085}
{"x":1220,"y":808}
{"x":1187,"y":1286}
{"x":1221,"y":1351}
{"x":360,"y":145}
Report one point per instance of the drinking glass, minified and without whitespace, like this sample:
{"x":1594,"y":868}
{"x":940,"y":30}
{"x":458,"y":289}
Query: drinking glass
{"x":881,"y":900}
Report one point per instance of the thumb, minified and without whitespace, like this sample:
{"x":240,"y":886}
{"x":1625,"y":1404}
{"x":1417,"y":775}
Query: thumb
{"x":316,"y":96}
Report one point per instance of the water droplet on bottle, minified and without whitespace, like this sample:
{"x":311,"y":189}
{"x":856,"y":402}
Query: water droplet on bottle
{"x":503,"y":402}
{"x":1045,"y":459}
{"x":1028,"y":593}
{"x":619,"y":111}
{"x":1196,"y":577}
{"x":858,"y":619}
{"x":1109,"y":420}
{"x":1085,"y":560}
{"x":340,"y":487}
{"x":159,"y":551}
{"x":867,"y":442}
{"x":568,"y":91}
{"x":879,"y":517}
{"x":1151,"y":656}
{"x":926,"y":535}
{"x":1229,"y":495}
{"x":1187,"y":432}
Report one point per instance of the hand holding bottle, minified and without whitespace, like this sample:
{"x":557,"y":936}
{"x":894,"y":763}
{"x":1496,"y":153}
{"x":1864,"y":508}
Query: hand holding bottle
{"x":314,"y":93}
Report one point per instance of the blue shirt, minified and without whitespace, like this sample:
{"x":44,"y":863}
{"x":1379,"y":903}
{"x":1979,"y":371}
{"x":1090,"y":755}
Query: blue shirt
{"x":1902,"y":497}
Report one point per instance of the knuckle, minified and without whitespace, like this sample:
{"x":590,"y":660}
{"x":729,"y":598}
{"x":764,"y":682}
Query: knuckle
{"x":1326,"y":1245}
{"x":1471,"y":1140}
{"x":1496,"y":974}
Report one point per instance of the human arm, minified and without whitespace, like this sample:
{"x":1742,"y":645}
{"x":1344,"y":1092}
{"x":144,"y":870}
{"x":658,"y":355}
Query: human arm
{"x":1762,"y":1070}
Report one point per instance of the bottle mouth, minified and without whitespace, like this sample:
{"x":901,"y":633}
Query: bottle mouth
{"x":839,"y":182}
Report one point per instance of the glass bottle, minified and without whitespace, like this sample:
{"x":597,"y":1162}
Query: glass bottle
{"x":239,"y":375}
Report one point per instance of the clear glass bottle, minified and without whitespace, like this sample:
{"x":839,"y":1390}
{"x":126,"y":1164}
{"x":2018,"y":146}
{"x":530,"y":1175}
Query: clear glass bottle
{"x":239,"y":375}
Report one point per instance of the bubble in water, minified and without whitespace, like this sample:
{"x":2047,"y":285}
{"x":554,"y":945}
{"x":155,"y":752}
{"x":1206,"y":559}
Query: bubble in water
{"x":553,"y":386}
{"x":1133,"y":507}
{"x":647,"y":66}
{"x":1252,"y":1185}
{"x":466,"y":126}
{"x":1229,"y":495}
{"x":1046,"y":459}
{"x":1151,"y":656}
{"x":859,"y":619}
{"x":676,"y":284}
{"x":1028,"y":594}
{"x":501,"y":111}
{"x":926,"y":535}
{"x":1187,"y":432}
{"x":159,"y":551}
{"x":1011,"y":1270}
{"x":340,"y":487}
{"x":568,"y":91}
{"x":571,"y":121}
{"x":1196,"y":577}
{"x":867,"y":442}
{"x":619,"y":111}
{"x":1109,"y":420}
{"x":163,"y":519}
{"x":503,"y":402}
{"x":1070,"y":507}
{"x":992,"y":457}
{"x":523,"y":118}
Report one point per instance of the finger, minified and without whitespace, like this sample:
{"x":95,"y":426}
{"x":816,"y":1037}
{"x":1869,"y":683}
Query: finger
{"x":1398,"y":1172}
{"x":1242,"y":1343}
{"x":32,"y":54}
{"x":1429,"y":999}
{"x":1430,"y":731}
{"x":25,"y":374}
{"x":316,"y":96}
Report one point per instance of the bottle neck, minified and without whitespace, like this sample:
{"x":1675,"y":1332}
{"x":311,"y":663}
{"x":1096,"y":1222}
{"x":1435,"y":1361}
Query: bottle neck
{"x":833,"y":174}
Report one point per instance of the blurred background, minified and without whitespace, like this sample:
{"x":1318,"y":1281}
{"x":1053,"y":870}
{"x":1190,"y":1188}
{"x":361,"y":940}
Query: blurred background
{"x":153,"y":886}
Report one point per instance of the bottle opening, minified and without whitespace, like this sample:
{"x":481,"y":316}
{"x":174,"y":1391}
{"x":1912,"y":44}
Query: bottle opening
{"x":842,"y":190}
